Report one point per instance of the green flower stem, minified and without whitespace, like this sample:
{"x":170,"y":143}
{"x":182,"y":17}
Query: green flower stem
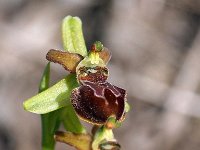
{"x":50,"y":121}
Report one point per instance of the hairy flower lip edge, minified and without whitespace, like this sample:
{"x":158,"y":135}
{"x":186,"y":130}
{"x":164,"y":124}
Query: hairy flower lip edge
{"x":76,"y":92}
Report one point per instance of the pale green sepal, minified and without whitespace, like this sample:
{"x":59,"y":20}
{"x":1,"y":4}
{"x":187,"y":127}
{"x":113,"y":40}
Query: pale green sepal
{"x":72,"y":36}
{"x":53,"y":98}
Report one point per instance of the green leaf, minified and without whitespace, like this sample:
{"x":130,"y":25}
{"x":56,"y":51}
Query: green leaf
{"x":44,"y":82}
{"x":72,"y":35}
{"x":53,"y":98}
{"x":50,"y":121}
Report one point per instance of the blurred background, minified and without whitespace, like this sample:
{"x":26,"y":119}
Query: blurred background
{"x":156,"y":57}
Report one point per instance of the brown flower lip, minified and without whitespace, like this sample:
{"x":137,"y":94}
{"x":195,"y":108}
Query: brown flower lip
{"x":96,"y":102}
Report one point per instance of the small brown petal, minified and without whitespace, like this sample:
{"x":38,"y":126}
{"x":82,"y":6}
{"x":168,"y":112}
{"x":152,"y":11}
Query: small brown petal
{"x":105,"y":55}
